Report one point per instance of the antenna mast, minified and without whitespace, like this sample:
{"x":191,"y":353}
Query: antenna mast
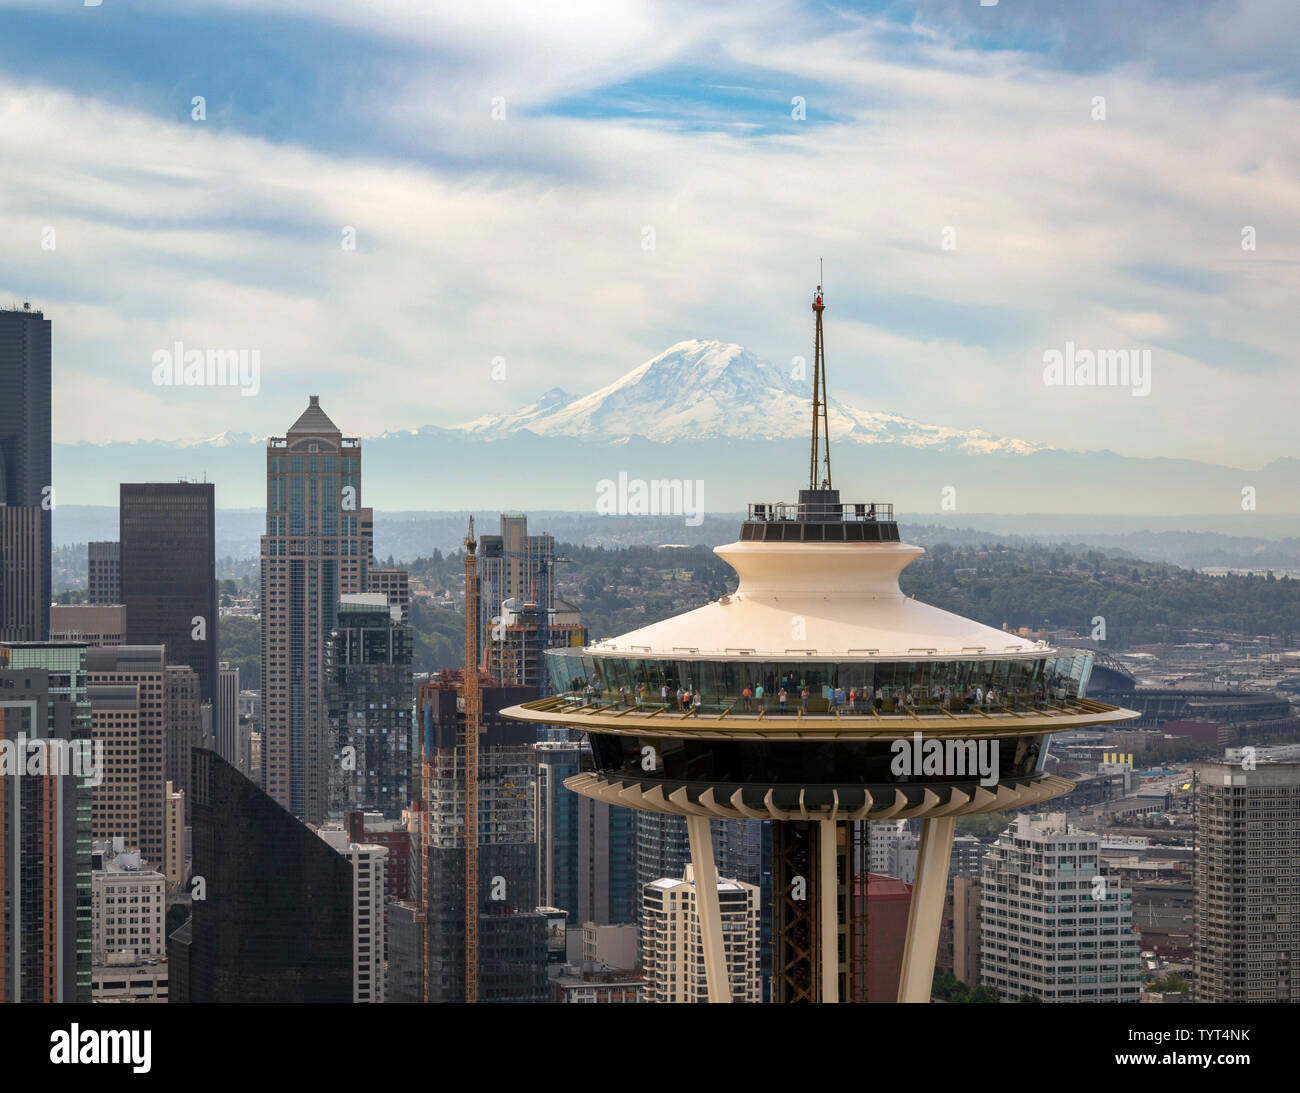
{"x":821,"y":430}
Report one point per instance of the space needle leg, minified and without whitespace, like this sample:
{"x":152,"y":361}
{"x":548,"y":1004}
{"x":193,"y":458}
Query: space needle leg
{"x":829,"y":896}
{"x":925,"y":916}
{"x":706,"y":905}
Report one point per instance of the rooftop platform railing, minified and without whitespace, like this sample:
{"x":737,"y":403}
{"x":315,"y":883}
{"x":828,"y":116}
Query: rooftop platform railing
{"x":847,"y":511}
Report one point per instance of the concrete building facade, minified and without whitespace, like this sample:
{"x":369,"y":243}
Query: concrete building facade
{"x":1053,"y":924}
{"x":1247,"y":918}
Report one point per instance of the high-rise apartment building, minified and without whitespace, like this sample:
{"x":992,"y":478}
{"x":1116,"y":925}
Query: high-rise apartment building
{"x":1247,"y":881}
{"x":511,"y":935}
{"x":369,"y":693}
{"x":312,"y":555}
{"x":104,"y":573}
{"x":169,"y":574}
{"x":128,"y":703}
{"x":674,"y":958}
{"x":45,"y":945}
{"x":1053,"y":925}
{"x":369,"y":863}
{"x":25,"y":476}
{"x":276,"y":923}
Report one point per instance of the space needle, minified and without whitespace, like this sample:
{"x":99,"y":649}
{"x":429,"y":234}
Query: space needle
{"x":819,"y":696}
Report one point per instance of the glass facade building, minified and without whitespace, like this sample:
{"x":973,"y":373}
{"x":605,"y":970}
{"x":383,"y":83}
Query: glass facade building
{"x":369,"y":674}
{"x":45,"y":824}
{"x":312,"y":555}
{"x":275,"y":923}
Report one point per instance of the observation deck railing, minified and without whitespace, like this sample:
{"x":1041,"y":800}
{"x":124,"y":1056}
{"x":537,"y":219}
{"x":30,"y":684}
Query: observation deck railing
{"x":847,"y":511}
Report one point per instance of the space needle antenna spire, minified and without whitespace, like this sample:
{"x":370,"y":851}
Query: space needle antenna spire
{"x":821,"y":430}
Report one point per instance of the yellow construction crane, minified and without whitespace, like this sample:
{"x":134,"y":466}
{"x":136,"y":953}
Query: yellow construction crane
{"x":472,"y":719}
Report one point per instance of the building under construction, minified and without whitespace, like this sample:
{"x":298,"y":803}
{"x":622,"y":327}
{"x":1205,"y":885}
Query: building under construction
{"x":522,"y":633}
{"x":511,"y":936}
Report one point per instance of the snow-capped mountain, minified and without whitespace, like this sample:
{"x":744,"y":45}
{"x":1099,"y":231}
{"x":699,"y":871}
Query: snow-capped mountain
{"x":710,"y":390}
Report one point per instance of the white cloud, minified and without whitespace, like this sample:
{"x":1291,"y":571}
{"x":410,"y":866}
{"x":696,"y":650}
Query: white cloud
{"x":168,"y":230}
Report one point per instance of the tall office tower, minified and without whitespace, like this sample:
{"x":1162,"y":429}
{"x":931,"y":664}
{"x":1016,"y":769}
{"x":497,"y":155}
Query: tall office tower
{"x":45,"y":888}
{"x":557,"y":827}
{"x":607,"y":893}
{"x":586,"y":850}
{"x":174,"y":836}
{"x":226,"y":715}
{"x":511,"y":935}
{"x":128,"y":704}
{"x":128,"y":904}
{"x":88,"y":624}
{"x":169,"y":573}
{"x":1052,"y":924}
{"x":674,"y":959}
{"x":1247,"y":872}
{"x":369,"y":863}
{"x":104,"y":573}
{"x":184,"y":728}
{"x":24,"y":608}
{"x":25,"y":477}
{"x":276,"y":923}
{"x":395,"y":586}
{"x":312,"y":554}
{"x":369,"y":693}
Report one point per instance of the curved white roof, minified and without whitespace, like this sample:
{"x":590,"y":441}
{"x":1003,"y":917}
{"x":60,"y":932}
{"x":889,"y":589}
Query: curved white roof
{"x":823,"y":601}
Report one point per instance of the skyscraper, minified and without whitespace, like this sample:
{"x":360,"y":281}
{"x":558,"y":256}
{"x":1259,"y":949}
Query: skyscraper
{"x":25,"y":476}
{"x":1052,"y":924}
{"x":1247,"y":870}
{"x":226,"y":721}
{"x":369,"y":864}
{"x":45,"y":884}
{"x":369,"y":692}
{"x":128,"y":701}
{"x":312,"y":554}
{"x":184,"y":727}
{"x":24,"y":604}
{"x":277,"y":922}
{"x":169,"y":574}
{"x":104,"y":573}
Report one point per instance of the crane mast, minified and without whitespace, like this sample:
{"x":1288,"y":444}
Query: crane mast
{"x":472,"y":720}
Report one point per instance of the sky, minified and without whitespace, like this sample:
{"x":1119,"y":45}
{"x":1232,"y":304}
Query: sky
{"x":546,"y":195}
